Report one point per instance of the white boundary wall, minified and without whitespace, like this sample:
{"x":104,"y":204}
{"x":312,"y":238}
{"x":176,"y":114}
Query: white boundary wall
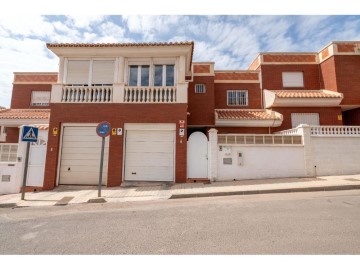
{"x":261,"y":162}
{"x":324,"y":150}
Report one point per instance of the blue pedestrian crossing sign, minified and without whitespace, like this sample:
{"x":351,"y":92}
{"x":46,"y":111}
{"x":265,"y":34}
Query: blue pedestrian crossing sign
{"x":29,"y":134}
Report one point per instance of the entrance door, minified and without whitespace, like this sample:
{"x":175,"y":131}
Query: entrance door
{"x":36,"y":165}
{"x":197,"y":149}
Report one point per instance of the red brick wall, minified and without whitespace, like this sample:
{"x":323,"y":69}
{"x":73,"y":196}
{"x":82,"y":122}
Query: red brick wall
{"x":117,"y":115}
{"x":21,"y":95}
{"x":237,"y":76}
{"x":348,"y":78}
{"x":328,"y":116}
{"x":352,"y":117}
{"x":347,"y":47}
{"x":253,"y":92}
{"x":300,"y":58}
{"x":201,"y":106}
{"x":201,"y":68}
{"x":272,"y":76}
{"x":328,"y":75}
{"x":12,"y":135}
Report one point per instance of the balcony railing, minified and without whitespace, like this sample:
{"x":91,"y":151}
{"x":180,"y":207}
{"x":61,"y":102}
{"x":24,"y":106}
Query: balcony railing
{"x":335,"y":130}
{"x":150,"y":94}
{"x":87,"y":94}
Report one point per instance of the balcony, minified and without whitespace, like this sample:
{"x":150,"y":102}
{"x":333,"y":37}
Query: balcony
{"x":119,"y":93}
{"x":86,"y":94}
{"x":150,"y":94}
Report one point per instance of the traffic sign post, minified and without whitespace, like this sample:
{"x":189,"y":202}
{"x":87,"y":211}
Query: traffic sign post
{"x":28,"y":134}
{"x":103,"y":129}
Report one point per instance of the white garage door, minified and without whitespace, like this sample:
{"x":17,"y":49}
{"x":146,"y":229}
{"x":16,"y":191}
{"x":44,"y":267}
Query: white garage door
{"x":80,"y":156}
{"x":149,"y":155}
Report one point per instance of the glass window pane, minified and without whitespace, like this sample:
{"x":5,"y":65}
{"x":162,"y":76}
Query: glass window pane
{"x":145,"y":75}
{"x":133,"y":75}
{"x":170,"y":75}
{"x":158,"y":75}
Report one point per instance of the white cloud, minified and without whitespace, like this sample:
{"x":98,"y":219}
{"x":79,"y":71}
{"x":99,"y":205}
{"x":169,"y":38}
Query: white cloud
{"x":27,"y":25}
{"x":84,"y":21}
{"x":21,"y":55}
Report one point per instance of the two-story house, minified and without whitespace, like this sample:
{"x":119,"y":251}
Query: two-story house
{"x":141,"y":89}
{"x":156,"y":99}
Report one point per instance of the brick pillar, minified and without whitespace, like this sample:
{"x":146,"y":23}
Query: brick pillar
{"x":304,"y":130}
{"x":213,"y":154}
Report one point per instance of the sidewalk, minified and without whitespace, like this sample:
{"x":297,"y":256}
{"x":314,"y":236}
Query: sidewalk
{"x":64,"y":195}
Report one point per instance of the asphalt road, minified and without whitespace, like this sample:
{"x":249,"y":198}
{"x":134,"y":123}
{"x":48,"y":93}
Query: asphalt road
{"x":297,"y":223}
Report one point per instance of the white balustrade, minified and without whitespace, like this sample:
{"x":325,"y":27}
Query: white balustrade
{"x":149,"y":94}
{"x":86,"y":94}
{"x":293,"y":131}
{"x":258,"y":139}
{"x":335,"y":130}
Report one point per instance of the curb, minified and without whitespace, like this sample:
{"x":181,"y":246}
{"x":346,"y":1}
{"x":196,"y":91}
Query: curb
{"x":268,"y":191}
{"x":8,"y":205}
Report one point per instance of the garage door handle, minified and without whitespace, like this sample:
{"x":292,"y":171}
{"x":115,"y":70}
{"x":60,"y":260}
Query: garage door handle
{"x":133,"y":173}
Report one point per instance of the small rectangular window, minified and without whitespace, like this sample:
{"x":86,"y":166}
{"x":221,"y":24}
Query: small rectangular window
{"x":170,"y":75}
{"x":293,"y":79}
{"x":237,"y":97}
{"x":40,"y":98}
{"x":200,"y":88}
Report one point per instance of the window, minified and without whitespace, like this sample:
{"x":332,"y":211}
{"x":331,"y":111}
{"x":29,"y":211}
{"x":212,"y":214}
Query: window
{"x":293,"y":79}
{"x":311,"y":119}
{"x":237,"y":97}
{"x":102,"y":72}
{"x":90,"y":72}
{"x":164,"y":75}
{"x":200,"y":88}
{"x":139,"y":75}
{"x":40,"y":98}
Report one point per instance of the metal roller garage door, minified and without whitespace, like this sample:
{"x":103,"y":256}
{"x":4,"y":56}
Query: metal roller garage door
{"x":80,"y":156}
{"x":149,"y":155}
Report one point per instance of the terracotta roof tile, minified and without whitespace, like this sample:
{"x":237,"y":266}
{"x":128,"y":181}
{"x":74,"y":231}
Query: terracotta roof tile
{"x":142,"y":44}
{"x":306,"y":94}
{"x":246,"y":114}
{"x":25,"y":114}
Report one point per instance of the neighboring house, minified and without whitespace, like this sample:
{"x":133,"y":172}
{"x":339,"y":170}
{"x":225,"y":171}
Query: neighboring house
{"x":30,"y":105}
{"x":162,"y":105}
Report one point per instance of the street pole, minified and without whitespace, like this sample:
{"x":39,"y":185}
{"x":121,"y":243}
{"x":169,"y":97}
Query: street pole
{"x":101,"y":165}
{"x":25,"y":171}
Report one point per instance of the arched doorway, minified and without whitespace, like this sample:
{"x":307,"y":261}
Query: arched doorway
{"x":197,"y":161}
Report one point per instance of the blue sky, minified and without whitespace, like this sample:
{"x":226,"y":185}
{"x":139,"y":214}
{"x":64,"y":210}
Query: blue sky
{"x":232,"y":42}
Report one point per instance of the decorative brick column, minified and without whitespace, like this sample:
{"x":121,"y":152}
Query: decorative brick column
{"x":213,"y":154}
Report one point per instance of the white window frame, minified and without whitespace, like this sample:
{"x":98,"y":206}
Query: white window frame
{"x":163,"y":74}
{"x":89,"y":81}
{"x":152,"y":62}
{"x":40,"y":104}
{"x":200,"y":88}
{"x":285,"y":83}
{"x":236,"y":101}
{"x":138,"y":82}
